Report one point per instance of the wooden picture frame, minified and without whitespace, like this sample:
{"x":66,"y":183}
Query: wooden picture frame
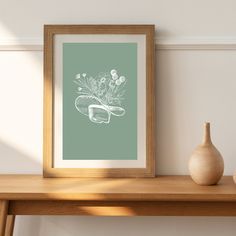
{"x":63,"y":48}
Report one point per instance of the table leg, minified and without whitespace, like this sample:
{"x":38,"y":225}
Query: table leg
{"x":3,"y":216}
{"x":10,"y":225}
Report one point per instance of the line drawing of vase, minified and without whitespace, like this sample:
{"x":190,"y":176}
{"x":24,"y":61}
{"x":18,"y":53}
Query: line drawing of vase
{"x":101,"y":96}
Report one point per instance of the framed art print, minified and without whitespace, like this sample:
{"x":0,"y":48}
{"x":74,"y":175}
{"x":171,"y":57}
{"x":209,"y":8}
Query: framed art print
{"x":99,"y":118}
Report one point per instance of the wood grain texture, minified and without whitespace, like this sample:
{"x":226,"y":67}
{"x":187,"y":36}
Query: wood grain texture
{"x":162,"y":188}
{"x":119,"y":208}
{"x":48,"y":101}
{"x":10,"y":225}
{"x":49,"y":32}
{"x":3,"y":216}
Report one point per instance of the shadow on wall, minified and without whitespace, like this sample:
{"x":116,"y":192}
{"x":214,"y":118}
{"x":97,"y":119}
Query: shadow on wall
{"x":166,"y":113}
{"x":31,"y":226}
{"x":138,"y":226}
{"x":13,"y":159}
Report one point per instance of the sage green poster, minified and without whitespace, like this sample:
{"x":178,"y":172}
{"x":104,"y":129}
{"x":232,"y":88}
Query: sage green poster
{"x":99,"y":101}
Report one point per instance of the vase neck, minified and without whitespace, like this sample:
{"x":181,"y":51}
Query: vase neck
{"x":206,"y":134}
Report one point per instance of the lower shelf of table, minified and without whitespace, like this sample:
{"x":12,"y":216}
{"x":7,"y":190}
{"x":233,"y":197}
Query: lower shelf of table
{"x":123,"y":208}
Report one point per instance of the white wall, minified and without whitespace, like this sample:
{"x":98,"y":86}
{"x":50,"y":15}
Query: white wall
{"x":194,"y":84}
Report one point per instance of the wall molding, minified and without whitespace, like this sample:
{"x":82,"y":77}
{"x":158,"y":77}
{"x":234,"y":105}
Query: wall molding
{"x":196,"y":43}
{"x":21,"y":44}
{"x":170,"y":43}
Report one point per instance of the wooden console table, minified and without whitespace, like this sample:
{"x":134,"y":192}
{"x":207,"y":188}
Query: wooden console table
{"x":161,"y":196}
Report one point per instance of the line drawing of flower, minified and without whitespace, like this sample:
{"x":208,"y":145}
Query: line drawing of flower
{"x":101,"y":96}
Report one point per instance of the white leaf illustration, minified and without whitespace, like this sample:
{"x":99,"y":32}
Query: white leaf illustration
{"x":100,"y":96}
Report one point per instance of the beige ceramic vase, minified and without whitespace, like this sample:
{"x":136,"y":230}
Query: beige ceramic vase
{"x":234,"y":177}
{"x":206,"y":164}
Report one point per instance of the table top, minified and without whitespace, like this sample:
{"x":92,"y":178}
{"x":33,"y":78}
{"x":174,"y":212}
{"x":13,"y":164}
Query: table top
{"x":161,"y":188}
